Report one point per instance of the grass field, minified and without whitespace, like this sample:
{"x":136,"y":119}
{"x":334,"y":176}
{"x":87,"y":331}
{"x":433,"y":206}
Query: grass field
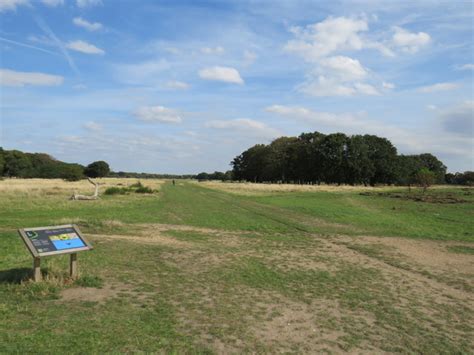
{"x":231,"y":268}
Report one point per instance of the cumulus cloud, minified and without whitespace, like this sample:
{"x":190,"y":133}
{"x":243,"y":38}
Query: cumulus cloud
{"x":459,"y":119}
{"x":90,"y":26}
{"x":410,"y":42}
{"x":88,"y":3}
{"x":159,"y":114}
{"x":17,"y":78}
{"x":226,"y":74}
{"x":84,"y":47}
{"x":438,"y":87}
{"x":175,"y":84}
{"x":213,"y":50}
{"x":11,"y":5}
{"x":245,"y":125}
{"x":321,"y":39}
{"x":53,"y":3}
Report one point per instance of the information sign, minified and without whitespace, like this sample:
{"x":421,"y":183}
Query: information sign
{"x":45,"y":241}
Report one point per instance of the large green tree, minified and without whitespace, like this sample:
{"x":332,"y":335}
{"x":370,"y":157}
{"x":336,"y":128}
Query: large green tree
{"x":97,"y":169}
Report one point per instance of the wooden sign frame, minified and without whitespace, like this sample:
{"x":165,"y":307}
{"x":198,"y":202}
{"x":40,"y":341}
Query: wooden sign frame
{"x":37,"y":254}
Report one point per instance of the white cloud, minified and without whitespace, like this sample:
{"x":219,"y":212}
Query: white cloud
{"x":226,"y":74}
{"x":213,"y":50}
{"x":334,"y":34}
{"x":438,"y":87}
{"x":344,"y":68}
{"x":432,"y":107}
{"x":84,"y":47}
{"x":92,"y":126}
{"x":175,"y":84}
{"x":53,"y":3}
{"x":10,"y":5}
{"x":410,"y":42}
{"x":157,"y":114}
{"x":16,"y":78}
{"x":90,"y":26}
{"x":469,"y":66}
{"x":245,"y":125}
{"x":88,"y":3}
{"x":333,"y":86}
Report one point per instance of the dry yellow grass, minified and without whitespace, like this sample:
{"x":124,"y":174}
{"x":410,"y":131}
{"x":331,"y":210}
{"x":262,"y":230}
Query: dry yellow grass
{"x":60,"y":187}
{"x":248,"y":188}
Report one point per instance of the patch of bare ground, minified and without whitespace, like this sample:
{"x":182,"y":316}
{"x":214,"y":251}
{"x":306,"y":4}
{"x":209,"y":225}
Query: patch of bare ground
{"x":153,"y":239}
{"x":89,"y":294}
{"x":103,"y":294}
{"x":429,"y":258}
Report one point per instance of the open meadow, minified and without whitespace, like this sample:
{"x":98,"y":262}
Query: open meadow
{"x":231,"y":268}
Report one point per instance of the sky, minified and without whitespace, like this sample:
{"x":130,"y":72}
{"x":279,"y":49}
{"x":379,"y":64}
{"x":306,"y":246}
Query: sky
{"x":185,"y":86}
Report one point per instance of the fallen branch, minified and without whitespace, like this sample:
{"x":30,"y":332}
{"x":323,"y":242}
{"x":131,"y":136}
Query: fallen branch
{"x":95,"y":196}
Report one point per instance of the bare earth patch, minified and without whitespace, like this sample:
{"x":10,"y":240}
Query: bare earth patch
{"x":89,"y":294}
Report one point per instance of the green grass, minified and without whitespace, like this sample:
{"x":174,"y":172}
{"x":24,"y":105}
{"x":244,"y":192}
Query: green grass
{"x":217,"y":288}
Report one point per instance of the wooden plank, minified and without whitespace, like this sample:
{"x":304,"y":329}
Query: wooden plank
{"x":73,"y":265}
{"x":37,"y":269}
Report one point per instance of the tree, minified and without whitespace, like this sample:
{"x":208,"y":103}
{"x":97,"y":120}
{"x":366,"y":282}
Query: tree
{"x":97,"y":169}
{"x":360,"y":168}
{"x":383,"y":155}
{"x":2,"y":161}
{"x":17,"y":164}
{"x":72,"y":172}
{"x":432,"y":163}
{"x":425,"y":178}
{"x":333,"y":151}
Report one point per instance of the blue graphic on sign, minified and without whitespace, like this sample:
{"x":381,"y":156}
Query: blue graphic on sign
{"x":68,"y":244}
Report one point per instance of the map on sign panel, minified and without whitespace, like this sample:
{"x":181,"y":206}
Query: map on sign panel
{"x":55,"y":239}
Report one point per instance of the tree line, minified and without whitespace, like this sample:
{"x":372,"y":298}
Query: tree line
{"x":335,"y":159}
{"x":14,"y":163}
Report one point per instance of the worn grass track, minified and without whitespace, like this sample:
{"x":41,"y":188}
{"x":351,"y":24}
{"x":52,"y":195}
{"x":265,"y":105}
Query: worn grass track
{"x":194,"y":269}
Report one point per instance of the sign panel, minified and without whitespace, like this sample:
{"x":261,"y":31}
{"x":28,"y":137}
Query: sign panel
{"x":54,"y":240}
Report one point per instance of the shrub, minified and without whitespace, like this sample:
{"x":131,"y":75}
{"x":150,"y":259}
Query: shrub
{"x":136,"y":185}
{"x":116,"y":191}
{"x":144,"y":190}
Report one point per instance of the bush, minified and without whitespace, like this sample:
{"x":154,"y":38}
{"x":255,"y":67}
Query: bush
{"x":136,"y":185}
{"x":144,"y":190}
{"x":116,"y":191}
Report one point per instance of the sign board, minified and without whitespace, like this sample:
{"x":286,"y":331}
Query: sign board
{"x":45,"y":241}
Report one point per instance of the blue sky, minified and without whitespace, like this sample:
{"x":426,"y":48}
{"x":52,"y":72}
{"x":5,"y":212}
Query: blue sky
{"x":185,"y":86}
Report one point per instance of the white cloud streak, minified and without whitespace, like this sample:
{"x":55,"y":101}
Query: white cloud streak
{"x":84,"y":47}
{"x":90,"y":26}
{"x":19,"y":79}
{"x":88,"y":3}
{"x":438,"y":87}
{"x":157,"y":114}
{"x":11,"y":5}
{"x":225,"y":74}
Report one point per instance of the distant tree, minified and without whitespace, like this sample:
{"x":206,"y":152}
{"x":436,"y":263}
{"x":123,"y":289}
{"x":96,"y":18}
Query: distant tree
{"x":425,"y":178}
{"x":432,"y":163}
{"x":251,"y":165}
{"x":202,"y":176}
{"x":17,"y":164}
{"x":2,"y":161}
{"x":333,"y":151}
{"x":360,"y":168}
{"x":97,"y":169}
{"x":71,"y":172}
{"x":383,"y":155}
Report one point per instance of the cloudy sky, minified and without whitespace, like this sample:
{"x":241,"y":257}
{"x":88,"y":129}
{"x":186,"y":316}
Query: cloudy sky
{"x":184,"y":86}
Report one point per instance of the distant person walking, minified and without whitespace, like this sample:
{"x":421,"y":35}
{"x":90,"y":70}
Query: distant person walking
{"x":174,"y":183}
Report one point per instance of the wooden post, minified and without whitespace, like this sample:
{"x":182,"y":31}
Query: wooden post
{"x":73,"y":265}
{"x":37,"y":269}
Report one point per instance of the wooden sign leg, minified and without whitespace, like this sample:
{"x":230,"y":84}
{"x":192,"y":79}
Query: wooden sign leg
{"x":73,"y":266}
{"x":37,"y":269}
